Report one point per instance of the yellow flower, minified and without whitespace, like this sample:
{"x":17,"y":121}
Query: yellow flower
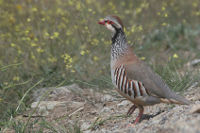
{"x":90,"y":10}
{"x":68,"y":66}
{"x":46,"y":34}
{"x":140,"y":28}
{"x":82,"y":52}
{"x":33,"y":44}
{"x":175,"y":56}
{"x":72,"y":70}
{"x":19,"y":51}
{"x":95,"y":41}
{"x":133,"y":28}
{"x":52,"y":59}
{"x":43,"y":19}
{"x":33,"y":56}
{"x":143,"y":58}
{"x":28,"y":20}
{"x":13,"y":45}
{"x":35,"y":39}
{"x":78,"y":6}
{"x":66,"y":56}
{"x":16,"y":78}
{"x":70,"y":60}
{"x":34,"y":9}
{"x":26,"y":31}
{"x":95,"y":58}
{"x":164,"y":24}
{"x":138,"y":10}
{"x":39,"y":50}
{"x":55,"y":34}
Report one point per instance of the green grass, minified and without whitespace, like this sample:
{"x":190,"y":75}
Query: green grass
{"x":61,"y":42}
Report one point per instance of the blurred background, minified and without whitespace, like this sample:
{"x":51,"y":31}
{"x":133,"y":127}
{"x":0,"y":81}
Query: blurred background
{"x":60,"y":41}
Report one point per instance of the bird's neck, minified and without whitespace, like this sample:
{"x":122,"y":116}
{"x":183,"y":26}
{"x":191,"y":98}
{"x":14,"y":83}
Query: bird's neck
{"x":119,"y":45}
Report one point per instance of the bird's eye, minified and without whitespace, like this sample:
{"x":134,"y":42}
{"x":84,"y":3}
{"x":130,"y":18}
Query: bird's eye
{"x":110,"y":22}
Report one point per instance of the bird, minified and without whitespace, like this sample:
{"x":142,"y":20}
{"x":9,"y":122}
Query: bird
{"x":132,"y":77}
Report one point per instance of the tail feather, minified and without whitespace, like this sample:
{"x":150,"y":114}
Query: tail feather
{"x":180,"y":99}
{"x":176,"y":99}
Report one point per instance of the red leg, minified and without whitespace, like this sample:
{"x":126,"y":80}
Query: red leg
{"x":141,"y":110}
{"x":131,"y":110}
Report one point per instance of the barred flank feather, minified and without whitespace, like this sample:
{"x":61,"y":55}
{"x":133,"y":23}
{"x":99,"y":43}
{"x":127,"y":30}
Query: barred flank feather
{"x":131,"y":88}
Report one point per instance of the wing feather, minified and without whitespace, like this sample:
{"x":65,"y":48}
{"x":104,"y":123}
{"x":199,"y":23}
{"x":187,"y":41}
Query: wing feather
{"x":152,"y":82}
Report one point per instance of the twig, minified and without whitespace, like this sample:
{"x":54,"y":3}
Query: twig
{"x":72,"y":113}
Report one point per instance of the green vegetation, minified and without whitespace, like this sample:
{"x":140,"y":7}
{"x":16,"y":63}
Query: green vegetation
{"x":60,"y":41}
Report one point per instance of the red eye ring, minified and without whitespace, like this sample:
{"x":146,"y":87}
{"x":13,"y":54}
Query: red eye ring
{"x":110,"y":22}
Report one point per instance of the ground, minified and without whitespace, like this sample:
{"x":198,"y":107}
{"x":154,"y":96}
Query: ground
{"x":95,"y":111}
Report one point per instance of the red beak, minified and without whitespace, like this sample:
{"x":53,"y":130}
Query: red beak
{"x":101,"y":22}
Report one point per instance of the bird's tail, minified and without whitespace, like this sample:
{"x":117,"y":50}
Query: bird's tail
{"x":176,"y":99}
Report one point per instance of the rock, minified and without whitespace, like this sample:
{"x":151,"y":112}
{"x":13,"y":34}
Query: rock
{"x":195,"y":62}
{"x":55,"y":92}
{"x":45,"y":106}
{"x":195,"y":109}
{"x":74,"y":87}
{"x":123,"y":104}
{"x":106,"y":98}
{"x":106,"y":110}
{"x":85,"y":125}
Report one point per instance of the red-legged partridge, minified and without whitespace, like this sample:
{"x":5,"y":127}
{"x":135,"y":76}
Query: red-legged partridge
{"x":132,"y":78}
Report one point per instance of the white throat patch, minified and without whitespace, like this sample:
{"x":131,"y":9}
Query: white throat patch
{"x":110,"y":27}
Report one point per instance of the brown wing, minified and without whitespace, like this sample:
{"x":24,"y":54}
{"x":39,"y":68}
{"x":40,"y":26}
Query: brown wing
{"x":141,"y":72}
{"x":152,"y":82}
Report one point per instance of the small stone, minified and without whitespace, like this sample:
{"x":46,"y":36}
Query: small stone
{"x":123,"y":103}
{"x":107,"y":97}
{"x":43,"y":111}
{"x":106,"y":109}
{"x":195,"y":109}
{"x":85,"y":126}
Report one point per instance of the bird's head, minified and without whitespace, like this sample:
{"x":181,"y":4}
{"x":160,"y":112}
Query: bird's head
{"x":112,"y":23}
